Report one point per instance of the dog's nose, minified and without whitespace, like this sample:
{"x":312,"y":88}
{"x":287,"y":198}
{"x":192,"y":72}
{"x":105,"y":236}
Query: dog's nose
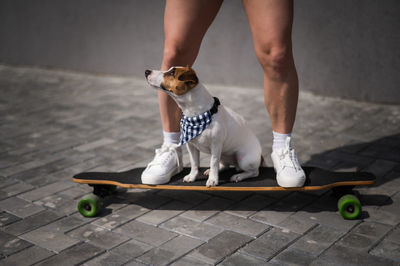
{"x":147,"y":72}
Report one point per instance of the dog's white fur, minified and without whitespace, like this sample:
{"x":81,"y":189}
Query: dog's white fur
{"x":228,"y":139}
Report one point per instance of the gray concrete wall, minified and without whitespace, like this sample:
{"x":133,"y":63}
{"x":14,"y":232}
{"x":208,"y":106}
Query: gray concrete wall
{"x":342,"y":48}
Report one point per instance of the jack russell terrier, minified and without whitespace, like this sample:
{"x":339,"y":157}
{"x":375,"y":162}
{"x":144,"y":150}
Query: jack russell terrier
{"x":209,"y":127}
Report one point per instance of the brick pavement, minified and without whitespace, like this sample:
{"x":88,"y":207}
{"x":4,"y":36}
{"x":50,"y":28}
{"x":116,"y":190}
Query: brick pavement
{"x":54,"y":124}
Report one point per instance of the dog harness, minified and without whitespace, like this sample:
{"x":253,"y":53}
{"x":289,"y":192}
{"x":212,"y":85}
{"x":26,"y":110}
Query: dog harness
{"x":193,"y":126}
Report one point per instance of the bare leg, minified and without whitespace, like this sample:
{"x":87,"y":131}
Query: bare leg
{"x":185,"y":23}
{"x":271,"y":26}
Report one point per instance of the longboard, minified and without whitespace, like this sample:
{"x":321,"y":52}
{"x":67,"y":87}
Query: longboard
{"x":317,"y":179}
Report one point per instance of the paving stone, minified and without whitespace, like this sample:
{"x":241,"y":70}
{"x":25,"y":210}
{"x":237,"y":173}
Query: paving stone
{"x":394,"y":207}
{"x":275,"y":214}
{"x":28,"y":256}
{"x":388,"y":249}
{"x":238,"y":224}
{"x":19,"y":169}
{"x":42,"y":180}
{"x":317,"y":240}
{"x":192,"y":228}
{"x":207,"y":209}
{"x":394,"y":235}
{"x":66,"y":224}
{"x":380,"y":167}
{"x":373,"y":230}
{"x":49,"y":238}
{"x":327,"y":218}
{"x":357,"y":160}
{"x":188,"y":260}
{"x":146,"y":233}
{"x":222,"y":245}
{"x":32,"y":222}
{"x":3,"y":195}
{"x":74,"y":256}
{"x":121,"y":216}
{"x":337,"y":255}
{"x":281,"y":210}
{"x":134,"y":263}
{"x":19,"y":207}
{"x":7,"y":181}
{"x":75,"y":192}
{"x":249,"y":206}
{"x":46,"y":190}
{"x":112,"y":204}
{"x":358,"y":242}
{"x":170,"y":251}
{"x":93,"y":145}
{"x":381,"y":216}
{"x":242,"y":259}
{"x":7,"y":218}
{"x":98,"y":236}
{"x":298,"y":226}
{"x":10,"y":244}
{"x":164,"y":213}
{"x":58,"y":204}
{"x":385,"y":152}
{"x":17,"y":188}
{"x":378,"y":195}
{"x":131,"y":249}
{"x":108,"y":259}
{"x":44,"y":170}
{"x":292,"y":257}
{"x":270,"y":243}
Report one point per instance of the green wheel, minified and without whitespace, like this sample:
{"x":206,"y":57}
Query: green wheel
{"x":89,"y":205}
{"x":349,"y":207}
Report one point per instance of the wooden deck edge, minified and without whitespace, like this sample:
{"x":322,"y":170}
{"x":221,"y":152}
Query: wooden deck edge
{"x":222,"y":188}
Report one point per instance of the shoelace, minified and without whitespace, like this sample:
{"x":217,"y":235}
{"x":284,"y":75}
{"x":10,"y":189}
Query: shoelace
{"x":160,"y":159}
{"x":289,"y":158}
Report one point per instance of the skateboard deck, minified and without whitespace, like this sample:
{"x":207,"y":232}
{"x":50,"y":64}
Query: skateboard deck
{"x":104,"y":184}
{"x":317,"y":179}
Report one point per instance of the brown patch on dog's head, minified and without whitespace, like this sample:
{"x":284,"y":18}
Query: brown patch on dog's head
{"x":179,"y":80}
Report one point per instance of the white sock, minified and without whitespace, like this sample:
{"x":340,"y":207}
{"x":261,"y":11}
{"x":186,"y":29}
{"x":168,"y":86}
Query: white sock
{"x":279,"y":140}
{"x":171,"y":137}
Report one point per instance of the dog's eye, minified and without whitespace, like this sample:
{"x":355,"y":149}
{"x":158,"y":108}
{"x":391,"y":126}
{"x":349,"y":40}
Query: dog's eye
{"x":172,"y":72}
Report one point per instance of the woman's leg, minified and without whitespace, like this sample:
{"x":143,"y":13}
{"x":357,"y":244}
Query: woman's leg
{"x":185,"y":23}
{"x":271,"y":26}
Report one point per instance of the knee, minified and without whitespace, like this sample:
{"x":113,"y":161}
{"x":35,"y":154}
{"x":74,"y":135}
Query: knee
{"x":176,"y":55}
{"x":171,"y":54}
{"x":276,"y":60}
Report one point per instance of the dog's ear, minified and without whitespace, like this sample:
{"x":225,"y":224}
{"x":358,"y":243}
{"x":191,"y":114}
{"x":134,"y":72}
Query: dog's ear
{"x":189,"y":76}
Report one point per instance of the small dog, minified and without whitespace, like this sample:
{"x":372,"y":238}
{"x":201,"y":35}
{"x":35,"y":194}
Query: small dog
{"x":209,"y":127}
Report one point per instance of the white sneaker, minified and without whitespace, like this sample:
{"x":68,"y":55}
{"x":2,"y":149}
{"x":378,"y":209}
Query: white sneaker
{"x":288,"y":170}
{"x":166,"y":163}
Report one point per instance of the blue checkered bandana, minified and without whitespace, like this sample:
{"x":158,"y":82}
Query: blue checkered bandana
{"x":191,"y":127}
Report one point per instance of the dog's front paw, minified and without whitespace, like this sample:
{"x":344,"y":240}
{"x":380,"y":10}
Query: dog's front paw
{"x":212,"y":182}
{"x":190,"y":178}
